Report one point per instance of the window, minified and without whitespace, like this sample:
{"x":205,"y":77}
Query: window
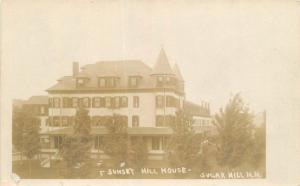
{"x":35,"y":110}
{"x":160,"y":101}
{"x":124,"y":101}
{"x":133,"y":81}
{"x":50,"y":102}
{"x":169,"y":101}
{"x":116,"y":81}
{"x":116,"y":102}
{"x":65,"y":121}
{"x":72,"y":120}
{"x":58,"y":141}
{"x":75,"y":102}
{"x":42,"y":110}
{"x":56,"y":121}
{"x":108,"y":82}
{"x":99,"y":142}
{"x":124,"y":120}
{"x":39,"y":121}
{"x":169,"y":120}
{"x":56,"y":102}
{"x":80,"y":82}
{"x":102,"y":82}
{"x":136,"y":101}
{"x":155,"y":143}
{"x":160,"y":80}
{"x":66,"y":102}
{"x":159,"y":121}
{"x":97,"y":102}
{"x":108,"y":102}
{"x":85,"y":102}
{"x":168,"y":79}
{"x":135,"y":121}
{"x":165,"y":141}
{"x":97,"y":121}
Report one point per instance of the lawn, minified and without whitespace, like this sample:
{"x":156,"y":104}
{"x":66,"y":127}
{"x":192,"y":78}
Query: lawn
{"x":54,"y":172}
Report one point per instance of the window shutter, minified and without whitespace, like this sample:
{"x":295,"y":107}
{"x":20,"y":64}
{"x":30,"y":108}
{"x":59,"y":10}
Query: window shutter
{"x":69,"y":102}
{"x":65,"y":102}
{"x":50,"y":102}
{"x":112,"y":103}
{"x":126,"y":101}
{"x":89,"y":102}
{"x":102,"y":102}
{"x":93,"y":102}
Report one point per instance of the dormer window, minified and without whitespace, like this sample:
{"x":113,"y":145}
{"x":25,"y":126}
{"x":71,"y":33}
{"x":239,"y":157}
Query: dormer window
{"x":133,"y":81}
{"x":165,"y":80}
{"x":108,"y":82}
{"x":80,"y":82}
{"x":102,"y":83}
{"x":160,"y":80}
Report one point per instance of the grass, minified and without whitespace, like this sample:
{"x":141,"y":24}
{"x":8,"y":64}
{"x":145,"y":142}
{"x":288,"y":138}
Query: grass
{"x":54,"y":172}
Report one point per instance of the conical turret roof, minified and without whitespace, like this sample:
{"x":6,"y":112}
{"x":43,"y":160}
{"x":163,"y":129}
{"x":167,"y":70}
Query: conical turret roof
{"x":162,"y":66}
{"x":177,"y":72}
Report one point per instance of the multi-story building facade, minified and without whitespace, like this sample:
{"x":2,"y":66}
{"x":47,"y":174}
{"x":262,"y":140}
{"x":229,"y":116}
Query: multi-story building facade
{"x":147,"y":98}
{"x":38,"y":107}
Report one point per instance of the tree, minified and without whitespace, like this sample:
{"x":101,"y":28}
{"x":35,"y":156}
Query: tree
{"x":234,"y":133}
{"x":138,"y":152}
{"x":116,"y":142}
{"x":259,"y":148}
{"x":183,"y":148}
{"x":76,"y":147}
{"x":25,"y":134}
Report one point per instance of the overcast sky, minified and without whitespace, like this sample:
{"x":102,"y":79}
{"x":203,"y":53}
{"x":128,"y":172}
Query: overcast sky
{"x":221,"y":48}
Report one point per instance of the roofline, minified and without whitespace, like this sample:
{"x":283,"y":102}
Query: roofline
{"x":158,"y":74}
{"x":127,"y":90}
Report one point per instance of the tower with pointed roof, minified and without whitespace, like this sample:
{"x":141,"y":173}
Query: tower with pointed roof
{"x":180,"y":80}
{"x":162,"y":66}
{"x":166,"y":76}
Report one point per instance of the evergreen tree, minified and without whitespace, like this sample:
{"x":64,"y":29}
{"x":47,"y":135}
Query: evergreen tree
{"x":234,"y":134}
{"x":25,"y":134}
{"x":116,"y":142}
{"x":184,"y":145}
{"x":76,"y":147}
{"x":259,"y":148}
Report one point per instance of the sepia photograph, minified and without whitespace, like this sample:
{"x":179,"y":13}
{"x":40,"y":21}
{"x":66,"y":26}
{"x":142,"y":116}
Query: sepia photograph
{"x":159,"y":90}
{"x":124,"y":119}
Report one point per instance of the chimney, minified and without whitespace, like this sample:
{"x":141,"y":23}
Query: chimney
{"x":75,"y":69}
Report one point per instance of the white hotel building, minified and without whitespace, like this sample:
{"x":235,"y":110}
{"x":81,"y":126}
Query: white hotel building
{"x":146,"y":97}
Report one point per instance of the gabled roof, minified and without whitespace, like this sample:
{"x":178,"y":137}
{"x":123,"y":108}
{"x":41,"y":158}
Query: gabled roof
{"x":121,"y":68}
{"x":37,"y":100}
{"x":162,"y":66}
{"x":118,"y":68}
{"x":177,"y":72}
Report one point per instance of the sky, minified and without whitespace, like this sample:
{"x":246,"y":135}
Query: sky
{"x":221,"y":48}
